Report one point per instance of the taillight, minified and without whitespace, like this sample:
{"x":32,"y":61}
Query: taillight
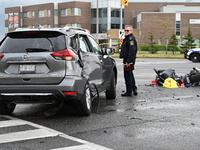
{"x":70,"y":93}
{"x":66,"y":54}
{"x":1,"y":55}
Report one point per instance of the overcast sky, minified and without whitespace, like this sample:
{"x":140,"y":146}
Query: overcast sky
{"x":11,"y":3}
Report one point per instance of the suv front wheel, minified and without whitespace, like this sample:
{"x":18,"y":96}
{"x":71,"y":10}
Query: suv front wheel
{"x":111,"y":92}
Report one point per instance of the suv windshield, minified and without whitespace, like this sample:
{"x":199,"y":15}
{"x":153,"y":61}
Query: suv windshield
{"x":22,"y":42}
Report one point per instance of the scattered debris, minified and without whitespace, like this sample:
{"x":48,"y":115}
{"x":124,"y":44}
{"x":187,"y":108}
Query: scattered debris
{"x":128,"y":117}
{"x":168,"y":78}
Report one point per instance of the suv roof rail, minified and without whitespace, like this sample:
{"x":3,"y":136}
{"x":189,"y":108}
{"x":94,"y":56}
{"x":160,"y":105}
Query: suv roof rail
{"x":74,"y":28}
{"x":20,"y":29}
{"x":66,"y":28}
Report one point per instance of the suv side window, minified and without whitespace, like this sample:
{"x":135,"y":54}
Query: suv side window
{"x":83,"y":43}
{"x":95,"y":47}
{"x":73,"y":43}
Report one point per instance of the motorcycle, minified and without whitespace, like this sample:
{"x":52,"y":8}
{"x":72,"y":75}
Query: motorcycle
{"x":192,"y":78}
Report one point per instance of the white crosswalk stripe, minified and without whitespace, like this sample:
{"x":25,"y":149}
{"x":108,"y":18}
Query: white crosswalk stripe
{"x":25,"y":135}
{"x":39,"y":131}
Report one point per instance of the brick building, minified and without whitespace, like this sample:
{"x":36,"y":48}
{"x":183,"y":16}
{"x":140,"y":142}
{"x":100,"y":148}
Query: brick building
{"x":76,"y":14}
{"x":145,"y":17}
{"x":150,"y":17}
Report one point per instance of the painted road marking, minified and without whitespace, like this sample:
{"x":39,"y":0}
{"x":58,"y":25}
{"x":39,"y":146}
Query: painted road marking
{"x":40,"y":132}
{"x":25,"y":135}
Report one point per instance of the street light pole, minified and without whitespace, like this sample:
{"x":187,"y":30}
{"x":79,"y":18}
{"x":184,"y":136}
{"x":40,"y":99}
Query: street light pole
{"x":121,"y":14}
{"x":97,"y":22}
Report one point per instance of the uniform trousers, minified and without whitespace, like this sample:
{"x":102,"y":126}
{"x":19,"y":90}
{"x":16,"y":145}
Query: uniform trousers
{"x":129,"y":81}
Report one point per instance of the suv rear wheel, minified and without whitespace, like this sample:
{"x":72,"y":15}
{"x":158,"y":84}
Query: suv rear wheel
{"x":7,"y":108}
{"x":84,"y":109}
{"x":195,"y":58}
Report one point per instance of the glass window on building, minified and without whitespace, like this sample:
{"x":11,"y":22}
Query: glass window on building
{"x":76,"y":11}
{"x":93,"y":13}
{"x":102,"y":28}
{"x":41,"y":13}
{"x":103,"y":13}
{"x":6,"y":16}
{"x":178,"y":28}
{"x":76,"y":25}
{"x":33,"y":14}
{"x":55,"y":12}
{"x":63,"y":25}
{"x":93,"y":28}
{"x":49,"y":13}
{"x":25,"y":15}
{"x":115,"y":26}
{"x":115,"y":12}
{"x":65,"y":12}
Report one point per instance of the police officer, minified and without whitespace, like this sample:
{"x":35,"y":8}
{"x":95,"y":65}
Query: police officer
{"x":128,"y":53}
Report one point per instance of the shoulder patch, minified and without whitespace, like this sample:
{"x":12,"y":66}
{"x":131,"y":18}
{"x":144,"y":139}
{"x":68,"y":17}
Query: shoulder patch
{"x":131,"y":43}
{"x":130,"y":38}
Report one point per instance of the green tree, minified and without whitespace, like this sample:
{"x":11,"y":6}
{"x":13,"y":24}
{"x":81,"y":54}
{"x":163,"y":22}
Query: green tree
{"x":152,"y":43}
{"x":165,"y":27}
{"x":173,"y":41}
{"x":189,"y":41}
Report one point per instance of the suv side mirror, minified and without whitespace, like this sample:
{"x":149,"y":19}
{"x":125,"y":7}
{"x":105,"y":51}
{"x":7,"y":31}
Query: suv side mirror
{"x":108,"y":51}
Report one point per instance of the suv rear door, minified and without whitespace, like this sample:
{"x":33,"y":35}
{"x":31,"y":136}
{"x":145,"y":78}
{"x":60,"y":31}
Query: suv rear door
{"x":27,"y":58}
{"x":92,"y":68}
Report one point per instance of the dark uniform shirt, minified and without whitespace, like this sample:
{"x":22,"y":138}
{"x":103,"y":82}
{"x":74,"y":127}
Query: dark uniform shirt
{"x":129,"y":49}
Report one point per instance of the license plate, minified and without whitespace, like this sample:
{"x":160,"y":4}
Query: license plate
{"x":27,"y":68}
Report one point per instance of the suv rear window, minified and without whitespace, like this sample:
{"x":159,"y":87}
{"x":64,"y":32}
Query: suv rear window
{"x":22,"y":42}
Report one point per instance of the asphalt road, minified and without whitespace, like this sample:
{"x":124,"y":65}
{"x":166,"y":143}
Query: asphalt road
{"x":157,"y":118}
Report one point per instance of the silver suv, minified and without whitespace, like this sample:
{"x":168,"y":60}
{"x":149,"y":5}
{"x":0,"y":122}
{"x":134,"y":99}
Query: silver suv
{"x":54,"y":66}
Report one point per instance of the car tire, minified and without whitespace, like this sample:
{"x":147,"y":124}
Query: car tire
{"x":195,"y":58}
{"x":111,"y":93}
{"x":85,"y":108}
{"x":7,"y":108}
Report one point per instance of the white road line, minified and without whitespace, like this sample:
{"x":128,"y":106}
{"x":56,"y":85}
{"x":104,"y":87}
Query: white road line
{"x":9,"y":123}
{"x":25,"y":135}
{"x":42,"y":132}
{"x":83,"y":147}
{"x":32,"y":124}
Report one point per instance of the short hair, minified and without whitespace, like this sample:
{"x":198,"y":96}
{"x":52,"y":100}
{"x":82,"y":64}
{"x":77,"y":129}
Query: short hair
{"x":130,"y":26}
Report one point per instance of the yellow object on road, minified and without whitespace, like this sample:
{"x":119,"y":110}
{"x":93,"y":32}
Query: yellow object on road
{"x":170,"y":83}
